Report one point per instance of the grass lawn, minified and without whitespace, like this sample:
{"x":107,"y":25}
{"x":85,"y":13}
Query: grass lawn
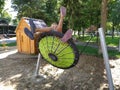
{"x":9,"y":44}
{"x":88,"y":50}
{"x":112,"y":42}
{"x":94,"y":51}
{"x":109,"y":41}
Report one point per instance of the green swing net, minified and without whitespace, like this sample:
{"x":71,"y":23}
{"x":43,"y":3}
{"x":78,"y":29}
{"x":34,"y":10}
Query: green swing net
{"x":59,"y":54}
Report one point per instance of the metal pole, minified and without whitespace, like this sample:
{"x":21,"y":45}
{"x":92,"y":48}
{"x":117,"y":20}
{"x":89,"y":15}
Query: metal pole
{"x":106,"y":59}
{"x":37,"y":66}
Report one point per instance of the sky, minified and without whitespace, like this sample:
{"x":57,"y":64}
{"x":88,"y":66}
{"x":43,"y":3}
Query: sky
{"x":9,"y":9}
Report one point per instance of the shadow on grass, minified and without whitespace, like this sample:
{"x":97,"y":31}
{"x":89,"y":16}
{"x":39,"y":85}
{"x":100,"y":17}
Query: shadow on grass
{"x":91,"y":50}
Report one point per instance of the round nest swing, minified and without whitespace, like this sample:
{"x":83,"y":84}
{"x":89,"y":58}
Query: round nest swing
{"x":59,"y":54}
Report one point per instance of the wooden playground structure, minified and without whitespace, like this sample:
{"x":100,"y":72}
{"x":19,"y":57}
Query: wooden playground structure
{"x":24,"y":43}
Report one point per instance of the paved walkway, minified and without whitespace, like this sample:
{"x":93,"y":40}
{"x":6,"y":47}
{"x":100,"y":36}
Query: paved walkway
{"x":7,"y":53}
{"x":8,"y":40}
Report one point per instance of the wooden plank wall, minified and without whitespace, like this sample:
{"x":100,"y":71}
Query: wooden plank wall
{"x":24,"y":44}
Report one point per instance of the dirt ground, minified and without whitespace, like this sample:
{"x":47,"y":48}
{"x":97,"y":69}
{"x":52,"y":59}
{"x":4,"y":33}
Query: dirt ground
{"x":17,"y":73}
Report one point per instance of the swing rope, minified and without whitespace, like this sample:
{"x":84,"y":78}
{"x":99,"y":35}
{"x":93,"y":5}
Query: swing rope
{"x":81,"y":52}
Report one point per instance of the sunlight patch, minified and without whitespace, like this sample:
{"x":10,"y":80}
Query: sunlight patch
{"x":52,"y":71}
{"x":16,"y":76}
{"x":9,"y":87}
{"x":6,"y":54}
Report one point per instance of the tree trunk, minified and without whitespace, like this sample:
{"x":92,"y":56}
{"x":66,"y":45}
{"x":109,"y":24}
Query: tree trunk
{"x":104,"y":14}
{"x":113,"y":29}
{"x":103,"y":18}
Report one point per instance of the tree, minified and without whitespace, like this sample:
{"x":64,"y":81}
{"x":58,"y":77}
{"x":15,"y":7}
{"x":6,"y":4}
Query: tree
{"x":42,"y":9}
{"x":104,"y":14}
{"x":80,"y":14}
{"x":114,"y":15}
{"x":6,"y":15}
{"x":2,"y":3}
{"x":3,"y":13}
{"x":104,"y":4}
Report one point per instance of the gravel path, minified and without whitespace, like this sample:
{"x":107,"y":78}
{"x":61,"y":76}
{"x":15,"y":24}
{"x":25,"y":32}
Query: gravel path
{"x":17,"y":71}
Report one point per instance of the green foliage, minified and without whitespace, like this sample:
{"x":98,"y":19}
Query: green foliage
{"x":3,"y":13}
{"x":2,"y":3}
{"x":114,"y":15}
{"x":80,"y":13}
{"x":15,"y":21}
{"x":41,"y":9}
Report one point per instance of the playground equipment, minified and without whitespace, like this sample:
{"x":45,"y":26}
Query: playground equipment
{"x":64,"y":54}
{"x":50,"y":42}
{"x":53,"y":49}
{"x":56,"y":52}
{"x":24,"y":44}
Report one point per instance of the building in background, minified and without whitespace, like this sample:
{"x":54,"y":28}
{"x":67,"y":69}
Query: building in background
{"x":5,"y":28}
